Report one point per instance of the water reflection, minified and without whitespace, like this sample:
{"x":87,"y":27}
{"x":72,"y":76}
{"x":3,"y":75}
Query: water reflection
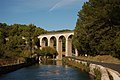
{"x":51,"y":62}
{"x":52,"y":71}
{"x":59,"y":63}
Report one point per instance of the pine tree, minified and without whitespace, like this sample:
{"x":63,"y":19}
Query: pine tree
{"x":98,"y":27}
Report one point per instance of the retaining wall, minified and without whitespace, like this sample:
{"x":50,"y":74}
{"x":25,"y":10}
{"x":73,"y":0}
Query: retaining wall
{"x":105,"y":73}
{"x":11,"y":68}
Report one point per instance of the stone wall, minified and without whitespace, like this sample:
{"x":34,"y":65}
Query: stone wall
{"x":11,"y":68}
{"x":105,"y":73}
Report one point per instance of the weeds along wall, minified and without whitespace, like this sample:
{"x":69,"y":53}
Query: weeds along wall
{"x":97,"y":72}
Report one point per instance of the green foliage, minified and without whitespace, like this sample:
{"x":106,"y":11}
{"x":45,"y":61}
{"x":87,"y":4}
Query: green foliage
{"x":12,"y":43}
{"x":79,"y":65}
{"x":48,"y":51}
{"x":97,"y":74}
{"x":97,"y":29}
{"x":58,"y":31}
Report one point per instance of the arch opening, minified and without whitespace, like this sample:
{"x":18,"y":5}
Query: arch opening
{"x":44,"y":42}
{"x":63,"y":44}
{"x":70,"y":47}
{"x":53,"y":41}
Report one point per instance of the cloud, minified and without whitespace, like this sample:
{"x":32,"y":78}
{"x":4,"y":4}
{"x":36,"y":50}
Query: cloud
{"x":19,"y":6}
{"x":61,"y":4}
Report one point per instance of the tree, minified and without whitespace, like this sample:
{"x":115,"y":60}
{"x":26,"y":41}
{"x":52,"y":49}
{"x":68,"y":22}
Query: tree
{"x":11,"y":43}
{"x":2,"y":39}
{"x":48,"y":51}
{"x":97,"y":27}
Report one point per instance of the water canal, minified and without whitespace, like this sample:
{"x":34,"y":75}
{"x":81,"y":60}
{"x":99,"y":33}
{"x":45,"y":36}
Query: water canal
{"x":47,"y":71}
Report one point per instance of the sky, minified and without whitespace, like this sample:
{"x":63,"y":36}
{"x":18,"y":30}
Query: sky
{"x":47,"y":14}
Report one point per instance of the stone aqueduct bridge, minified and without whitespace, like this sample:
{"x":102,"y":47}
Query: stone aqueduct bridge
{"x":50,"y":38}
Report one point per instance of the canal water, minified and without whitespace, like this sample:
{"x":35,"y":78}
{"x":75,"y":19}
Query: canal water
{"x":47,"y":71}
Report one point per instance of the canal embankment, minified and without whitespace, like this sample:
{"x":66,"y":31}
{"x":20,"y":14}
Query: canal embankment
{"x":97,"y":71}
{"x":13,"y":67}
{"x":49,"y":71}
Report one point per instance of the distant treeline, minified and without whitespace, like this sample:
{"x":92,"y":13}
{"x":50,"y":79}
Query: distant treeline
{"x":58,"y":31}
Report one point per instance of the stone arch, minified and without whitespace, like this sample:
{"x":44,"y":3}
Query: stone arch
{"x":60,"y":46}
{"x":58,"y":38}
{"x":70,"y":45}
{"x":70,"y":36}
{"x":62,"y":38}
{"x":44,"y":42}
{"x":53,"y":41}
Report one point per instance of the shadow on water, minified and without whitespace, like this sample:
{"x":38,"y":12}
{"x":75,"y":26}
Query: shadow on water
{"x":47,"y":70}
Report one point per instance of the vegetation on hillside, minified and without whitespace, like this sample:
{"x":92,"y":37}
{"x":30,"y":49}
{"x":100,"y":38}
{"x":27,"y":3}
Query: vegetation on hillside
{"x":18,"y":40}
{"x":97,"y":30}
{"x":58,"y":31}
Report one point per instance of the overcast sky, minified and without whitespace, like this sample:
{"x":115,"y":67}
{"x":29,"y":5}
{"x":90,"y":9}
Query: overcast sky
{"x":47,"y":14}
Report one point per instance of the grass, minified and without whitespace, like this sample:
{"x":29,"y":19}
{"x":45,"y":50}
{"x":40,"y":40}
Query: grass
{"x":103,"y":58}
{"x":83,"y":67}
{"x":97,"y":74}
